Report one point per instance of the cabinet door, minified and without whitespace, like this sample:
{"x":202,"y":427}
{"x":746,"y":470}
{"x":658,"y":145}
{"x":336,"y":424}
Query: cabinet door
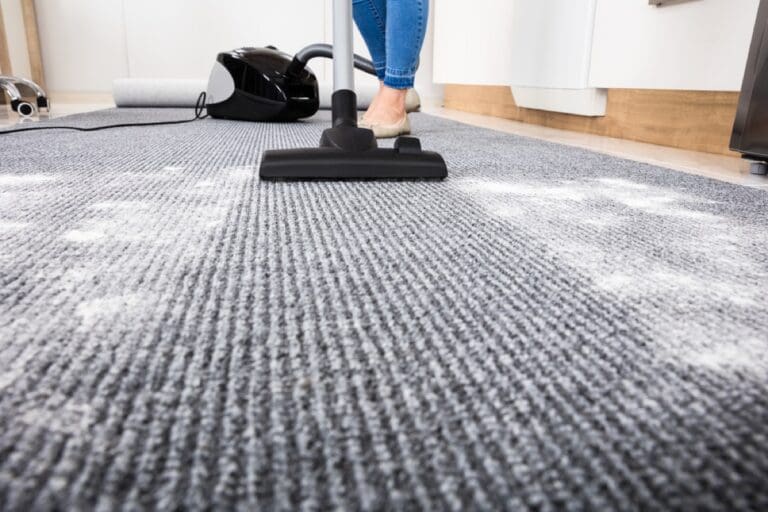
{"x":693,"y":45}
{"x":552,"y":43}
{"x":473,"y":41}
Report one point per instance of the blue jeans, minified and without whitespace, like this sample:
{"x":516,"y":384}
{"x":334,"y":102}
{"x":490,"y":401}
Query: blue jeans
{"x":394,"y":33}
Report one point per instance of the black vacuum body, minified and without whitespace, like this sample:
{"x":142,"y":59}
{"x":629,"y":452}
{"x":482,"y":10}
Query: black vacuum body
{"x":750,"y":130}
{"x":254,"y":84}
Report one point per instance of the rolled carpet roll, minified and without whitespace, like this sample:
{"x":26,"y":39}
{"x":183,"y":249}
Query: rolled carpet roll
{"x":154,"y":92}
{"x":168,"y":92}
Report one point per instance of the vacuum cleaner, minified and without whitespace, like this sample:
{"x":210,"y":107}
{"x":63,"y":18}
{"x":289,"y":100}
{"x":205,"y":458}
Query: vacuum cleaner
{"x":289,"y":90}
{"x":24,"y":108}
{"x":267,"y":85}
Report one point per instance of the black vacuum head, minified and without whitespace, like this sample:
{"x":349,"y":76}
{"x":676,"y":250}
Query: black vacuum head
{"x":251,"y":84}
{"x":406,"y":161}
{"x":348,"y":152}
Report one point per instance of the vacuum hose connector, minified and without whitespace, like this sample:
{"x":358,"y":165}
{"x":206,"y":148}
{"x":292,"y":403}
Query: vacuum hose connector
{"x":312,"y":51}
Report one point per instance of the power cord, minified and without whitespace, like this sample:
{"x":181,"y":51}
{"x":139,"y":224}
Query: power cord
{"x":199,"y":109}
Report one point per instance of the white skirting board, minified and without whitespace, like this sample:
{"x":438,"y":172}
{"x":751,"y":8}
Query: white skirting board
{"x":581,"y":102}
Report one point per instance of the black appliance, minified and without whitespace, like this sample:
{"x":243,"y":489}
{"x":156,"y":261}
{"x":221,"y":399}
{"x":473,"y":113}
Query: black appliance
{"x":252,"y":84}
{"x":750,"y":130}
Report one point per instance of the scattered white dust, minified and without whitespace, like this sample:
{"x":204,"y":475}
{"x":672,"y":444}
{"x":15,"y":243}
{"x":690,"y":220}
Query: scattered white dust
{"x":119,"y":205}
{"x":60,"y":415}
{"x":8,"y":225}
{"x":632,"y":271}
{"x":598,"y":222}
{"x":667,"y":282}
{"x":563,"y":193}
{"x":112,"y":309}
{"x":615,"y":282}
{"x":80,"y":236}
{"x":14,"y":180}
{"x":508,"y":211}
{"x":750,"y":355}
{"x":620,"y":183}
{"x":11,"y":372}
{"x":138,"y":221}
{"x":241,"y":172}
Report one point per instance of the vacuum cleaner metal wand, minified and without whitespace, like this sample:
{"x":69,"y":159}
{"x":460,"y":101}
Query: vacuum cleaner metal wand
{"x":347,"y":151}
{"x":343,"y":53}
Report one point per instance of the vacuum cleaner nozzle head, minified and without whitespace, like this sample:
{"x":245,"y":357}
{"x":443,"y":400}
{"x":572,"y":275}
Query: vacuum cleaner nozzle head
{"x":254,"y":84}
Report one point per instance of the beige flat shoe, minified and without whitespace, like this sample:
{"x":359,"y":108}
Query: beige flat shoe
{"x":388,"y":131}
{"x":412,"y":101}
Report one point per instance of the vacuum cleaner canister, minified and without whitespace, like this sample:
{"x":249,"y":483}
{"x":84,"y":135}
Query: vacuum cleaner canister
{"x":255,"y":84}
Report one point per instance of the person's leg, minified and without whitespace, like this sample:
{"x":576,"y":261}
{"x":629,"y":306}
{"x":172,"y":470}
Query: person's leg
{"x":371,"y":19}
{"x":405,"y":29}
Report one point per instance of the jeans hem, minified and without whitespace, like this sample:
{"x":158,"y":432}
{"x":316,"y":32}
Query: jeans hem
{"x":399,"y":82}
{"x":381,"y":70}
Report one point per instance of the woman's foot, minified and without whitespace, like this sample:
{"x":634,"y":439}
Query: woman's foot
{"x":387,"y":115}
{"x":372,"y":106}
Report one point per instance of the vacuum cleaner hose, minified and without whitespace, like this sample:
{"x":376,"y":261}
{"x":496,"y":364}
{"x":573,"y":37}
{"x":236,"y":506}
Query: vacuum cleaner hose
{"x":325,"y":50}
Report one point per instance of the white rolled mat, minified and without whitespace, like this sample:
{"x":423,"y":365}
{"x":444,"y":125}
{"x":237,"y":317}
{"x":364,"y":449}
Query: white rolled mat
{"x":154,"y":92}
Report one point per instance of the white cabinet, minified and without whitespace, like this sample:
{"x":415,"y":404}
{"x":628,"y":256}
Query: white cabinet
{"x":551,"y":53}
{"x":473,"y":42}
{"x":693,"y":45}
{"x":562,"y":55}
{"x":541,"y":47}
{"x":552,"y":43}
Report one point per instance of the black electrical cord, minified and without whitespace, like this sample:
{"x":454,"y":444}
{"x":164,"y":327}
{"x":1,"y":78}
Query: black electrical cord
{"x":199,"y":109}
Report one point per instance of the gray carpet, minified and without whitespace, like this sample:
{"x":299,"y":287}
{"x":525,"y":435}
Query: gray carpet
{"x":549,"y":329}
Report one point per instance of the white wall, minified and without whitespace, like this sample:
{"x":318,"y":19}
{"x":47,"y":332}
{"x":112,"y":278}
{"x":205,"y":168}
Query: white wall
{"x":17,"y":37}
{"x":86,"y":44}
{"x":83,"y":43}
{"x":696,"y":45}
{"x":425,"y":77}
{"x":181,"y":38}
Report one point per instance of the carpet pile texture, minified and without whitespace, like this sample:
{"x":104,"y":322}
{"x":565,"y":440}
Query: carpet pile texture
{"x":548,"y":329}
